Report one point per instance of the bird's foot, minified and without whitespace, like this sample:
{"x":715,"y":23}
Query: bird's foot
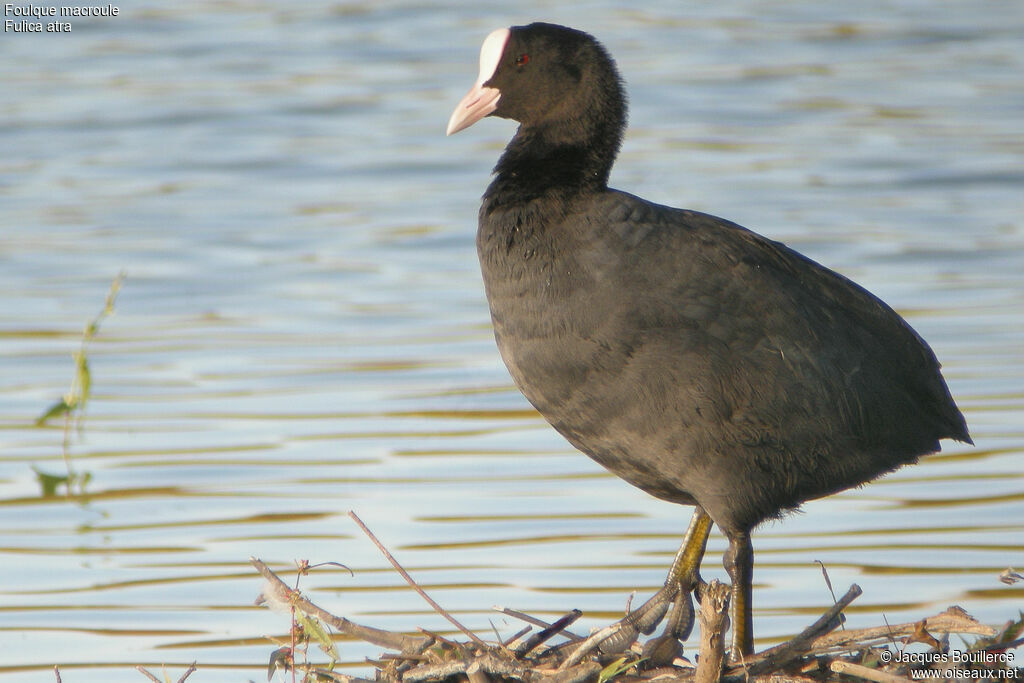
{"x":620,"y":635}
{"x":683,"y":582}
{"x":662,"y":650}
{"x":646,"y":618}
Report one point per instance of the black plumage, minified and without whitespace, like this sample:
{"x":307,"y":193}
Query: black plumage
{"x":695,"y":359}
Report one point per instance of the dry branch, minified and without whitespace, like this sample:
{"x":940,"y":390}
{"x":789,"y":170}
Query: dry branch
{"x":415,"y":586}
{"x":713,"y":624}
{"x":276,"y":589}
{"x":953,"y":620}
{"x":779,"y":656}
{"x":817,"y":654}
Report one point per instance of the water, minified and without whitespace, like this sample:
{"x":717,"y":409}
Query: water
{"x":302,"y":330}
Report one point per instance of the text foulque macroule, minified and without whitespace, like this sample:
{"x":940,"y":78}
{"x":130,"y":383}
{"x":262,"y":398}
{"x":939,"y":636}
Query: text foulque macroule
{"x":19,"y":18}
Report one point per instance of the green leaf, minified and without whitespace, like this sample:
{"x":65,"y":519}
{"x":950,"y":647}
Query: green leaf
{"x":59,"y":408}
{"x":84,"y":381}
{"x":49,"y":482}
{"x":315,"y":629}
{"x":620,"y":665}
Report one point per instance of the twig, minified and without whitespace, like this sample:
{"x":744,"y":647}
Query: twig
{"x":405,"y":575}
{"x":841,"y":666}
{"x":558,"y":627}
{"x":577,"y":674}
{"x":953,"y":620}
{"x":486,"y":663}
{"x":490,"y":662}
{"x":529,"y":619}
{"x":590,"y":644}
{"x":475,"y":672}
{"x":777,"y":657}
{"x":515,"y":636}
{"x":188,"y":672}
{"x":828,"y":583}
{"x":324,"y":674}
{"x":712,"y":632}
{"x":148,"y":675}
{"x":283,"y":593}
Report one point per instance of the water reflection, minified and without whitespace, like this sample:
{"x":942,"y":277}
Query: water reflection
{"x":302,"y":330}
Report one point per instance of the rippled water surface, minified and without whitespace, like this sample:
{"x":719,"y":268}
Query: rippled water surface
{"x":302,"y":330}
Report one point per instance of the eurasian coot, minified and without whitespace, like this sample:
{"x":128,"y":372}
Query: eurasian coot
{"x":697,"y":360}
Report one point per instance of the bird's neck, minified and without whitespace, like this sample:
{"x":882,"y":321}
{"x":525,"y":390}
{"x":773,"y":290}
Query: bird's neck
{"x":540,"y":164}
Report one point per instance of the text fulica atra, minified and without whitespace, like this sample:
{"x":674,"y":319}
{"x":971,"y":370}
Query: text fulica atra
{"x":697,"y":360}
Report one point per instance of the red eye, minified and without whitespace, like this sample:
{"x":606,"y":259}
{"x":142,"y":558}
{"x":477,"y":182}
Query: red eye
{"x":522,"y":60}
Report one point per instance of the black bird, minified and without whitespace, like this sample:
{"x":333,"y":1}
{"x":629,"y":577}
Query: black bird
{"x":697,"y":360}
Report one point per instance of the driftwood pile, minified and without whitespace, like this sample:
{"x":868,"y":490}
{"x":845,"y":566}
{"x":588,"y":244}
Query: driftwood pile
{"x":819,"y":653}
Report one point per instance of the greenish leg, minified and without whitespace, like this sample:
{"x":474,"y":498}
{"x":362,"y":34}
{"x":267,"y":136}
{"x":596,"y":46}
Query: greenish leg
{"x":683,"y":578}
{"x":739,"y":563}
{"x":685,"y":570}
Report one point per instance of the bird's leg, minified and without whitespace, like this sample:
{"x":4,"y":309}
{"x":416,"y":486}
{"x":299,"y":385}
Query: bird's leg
{"x":683,"y":578}
{"x":684,"y":575}
{"x":739,"y":563}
